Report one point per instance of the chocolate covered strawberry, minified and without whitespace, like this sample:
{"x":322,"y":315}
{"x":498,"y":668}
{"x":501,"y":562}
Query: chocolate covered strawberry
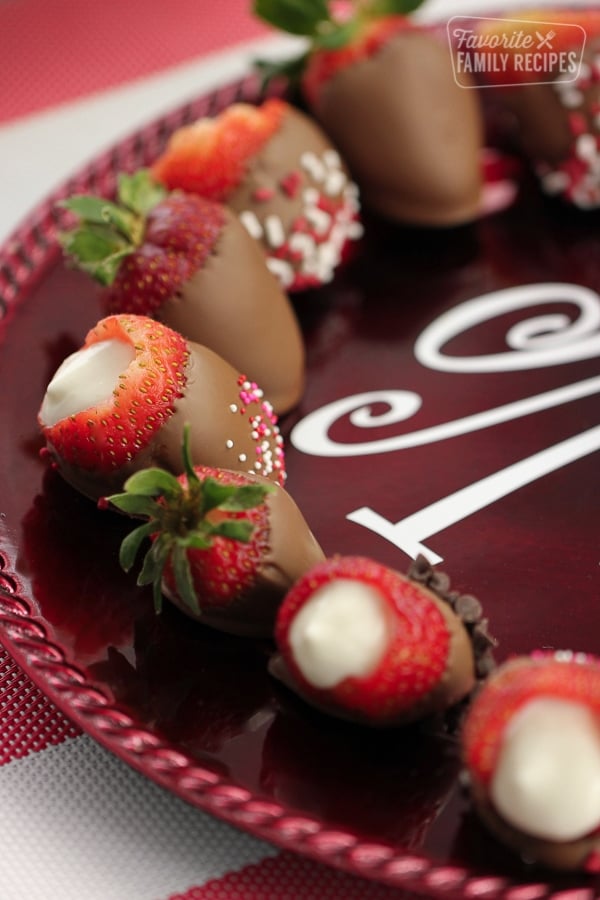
{"x":553,"y":106}
{"x":225,"y":548}
{"x":119,"y":404}
{"x":366,"y":643}
{"x":383,"y":89}
{"x":531,"y":745}
{"x":279,"y":172}
{"x":187,"y":261}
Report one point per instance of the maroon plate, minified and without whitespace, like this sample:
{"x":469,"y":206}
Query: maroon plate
{"x":452,"y":407}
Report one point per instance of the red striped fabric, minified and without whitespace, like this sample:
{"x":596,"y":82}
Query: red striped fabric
{"x":290,"y":877}
{"x":28,"y":721}
{"x":54,"y":51}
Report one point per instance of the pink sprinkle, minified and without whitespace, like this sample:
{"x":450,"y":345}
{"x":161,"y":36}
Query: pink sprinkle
{"x":577,"y":123}
{"x":263,"y":194}
{"x":290,"y":184}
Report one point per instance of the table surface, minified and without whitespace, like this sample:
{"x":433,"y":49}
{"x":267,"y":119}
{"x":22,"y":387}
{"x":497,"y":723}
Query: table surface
{"x":76,"y":823}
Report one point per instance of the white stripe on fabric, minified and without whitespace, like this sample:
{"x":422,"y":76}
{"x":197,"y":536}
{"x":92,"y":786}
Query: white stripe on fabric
{"x":78,"y":824}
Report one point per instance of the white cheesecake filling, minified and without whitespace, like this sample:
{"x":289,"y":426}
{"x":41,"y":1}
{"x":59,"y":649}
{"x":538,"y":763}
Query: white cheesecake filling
{"x":547,"y":780}
{"x":85,"y":379}
{"x":342,"y":631}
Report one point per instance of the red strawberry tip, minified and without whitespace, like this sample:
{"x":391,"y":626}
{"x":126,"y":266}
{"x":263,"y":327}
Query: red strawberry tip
{"x":409,"y":677}
{"x":560,"y":674}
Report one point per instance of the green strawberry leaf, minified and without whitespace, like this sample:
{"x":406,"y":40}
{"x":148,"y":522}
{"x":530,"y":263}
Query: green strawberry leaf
{"x":98,"y":211}
{"x":216,"y":495}
{"x":139,"y":192}
{"x":132,"y":542}
{"x":337,"y":35}
{"x":179,"y":522}
{"x":197,"y":541}
{"x":289,"y":69}
{"x":183,"y":577}
{"x":107,"y":232}
{"x":246,"y":496}
{"x":378,"y":8}
{"x":188,"y":464}
{"x":135,"y":505}
{"x":153,"y":482}
{"x":155,"y":561}
{"x":294,"y":16}
{"x":96,"y":250}
{"x":90,"y":209}
{"x":235,"y":529}
{"x":157,"y":597}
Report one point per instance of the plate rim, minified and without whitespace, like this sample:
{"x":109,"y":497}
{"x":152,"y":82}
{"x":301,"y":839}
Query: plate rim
{"x":24,"y":257}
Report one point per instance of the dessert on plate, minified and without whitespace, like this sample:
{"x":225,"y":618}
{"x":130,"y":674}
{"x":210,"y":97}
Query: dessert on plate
{"x":531,"y":746}
{"x":276,"y":168}
{"x":120,"y":403}
{"x":363,"y":642}
{"x":552,"y":114}
{"x":382,"y":87}
{"x":225,"y":546}
{"x":189,"y":263}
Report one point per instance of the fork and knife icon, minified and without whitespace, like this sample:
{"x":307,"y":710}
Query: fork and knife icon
{"x":544,"y":40}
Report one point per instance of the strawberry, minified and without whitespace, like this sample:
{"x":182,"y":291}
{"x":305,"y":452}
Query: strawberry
{"x":554,"y":112}
{"x":530,"y":721}
{"x":187,"y":261}
{"x":210,"y":156}
{"x":225,"y":545}
{"x":277,"y":170}
{"x":383,"y":89}
{"x":119,"y":404}
{"x":364,"y":642}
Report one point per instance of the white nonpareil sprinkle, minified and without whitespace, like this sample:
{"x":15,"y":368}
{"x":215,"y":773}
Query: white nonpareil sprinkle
{"x":586,"y":147}
{"x":281,"y":269}
{"x":311,"y":164}
{"x":334,"y":183}
{"x":250,"y":222}
{"x":355,"y":230}
{"x":319,"y":219}
{"x":555,"y":182}
{"x":332,"y":159}
{"x":302,"y":243}
{"x":274,"y":231}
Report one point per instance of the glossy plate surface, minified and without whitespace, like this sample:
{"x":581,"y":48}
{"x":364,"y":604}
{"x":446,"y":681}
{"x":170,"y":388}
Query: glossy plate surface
{"x":438,"y":415}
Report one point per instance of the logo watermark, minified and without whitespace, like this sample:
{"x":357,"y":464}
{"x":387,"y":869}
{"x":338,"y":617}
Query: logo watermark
{"x":490,"y":52}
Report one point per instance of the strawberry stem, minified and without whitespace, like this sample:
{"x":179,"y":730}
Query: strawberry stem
{"x":313,"y":19}
{"x":107,"y":232}
{"x":178,"y":520}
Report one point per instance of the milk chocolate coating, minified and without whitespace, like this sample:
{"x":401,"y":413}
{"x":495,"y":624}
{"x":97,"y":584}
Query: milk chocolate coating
{"x":560,"y":855}
{"x":456,"y":683}
{"x":266,"y":172}
{"x":234,"y":305}
{"x":279,"y":156}
{"x":410,"y":135}
{"x":211,"y":393}
{"x":541,"y":120}
{"x":293,"y":550}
